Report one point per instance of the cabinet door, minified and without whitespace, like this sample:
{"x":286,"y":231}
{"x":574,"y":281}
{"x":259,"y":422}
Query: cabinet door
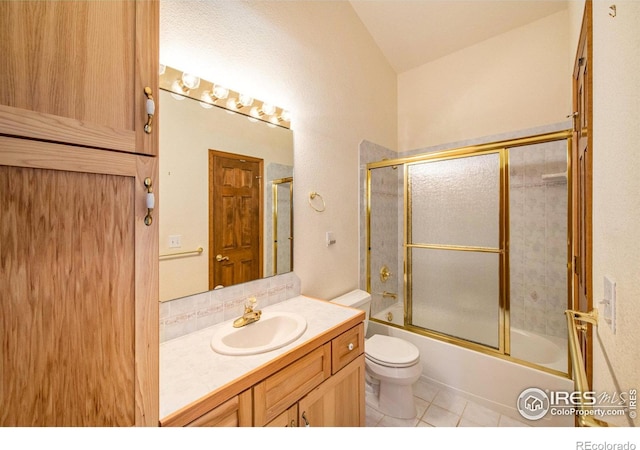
{"x":289,"y":418}
{"x":78,"y":310}
{"x":278,"y":392}
{"x":75,"y":72}
{"x":338,"y":402}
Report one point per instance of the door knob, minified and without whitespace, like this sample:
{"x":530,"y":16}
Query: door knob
{"x":221,"y":258}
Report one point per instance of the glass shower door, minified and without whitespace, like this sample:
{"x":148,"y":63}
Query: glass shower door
{"x":454,"y":247}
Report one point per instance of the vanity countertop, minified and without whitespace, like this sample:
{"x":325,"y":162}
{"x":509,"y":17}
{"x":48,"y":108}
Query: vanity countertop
{"x":191,"y":370}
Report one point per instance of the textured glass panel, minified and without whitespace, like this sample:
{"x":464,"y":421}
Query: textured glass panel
{"x":538,"y":254}
{"x":456,"y":293}
{"x":387,"y":212}
{"x":456,"y":201}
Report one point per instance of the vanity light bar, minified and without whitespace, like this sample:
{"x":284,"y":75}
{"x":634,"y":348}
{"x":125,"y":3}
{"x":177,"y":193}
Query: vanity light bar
{"x":209,"y":95}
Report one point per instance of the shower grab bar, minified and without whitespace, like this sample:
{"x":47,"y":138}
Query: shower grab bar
{"x":388,"y":294}
{"x":581,"y":383}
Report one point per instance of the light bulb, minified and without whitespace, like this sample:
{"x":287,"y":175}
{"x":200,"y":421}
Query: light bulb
{"x":206,"y":101}
{"x":220,"y":92}
{"x":245,"y":100}
{"x":190,"y":81}
{"x":179,"y":87}
{"x":268,"y":109}
{"x":162,"y":69}
{"x":286,"y":116}
{"x":255,"y":112}
{"x":231,"y":104}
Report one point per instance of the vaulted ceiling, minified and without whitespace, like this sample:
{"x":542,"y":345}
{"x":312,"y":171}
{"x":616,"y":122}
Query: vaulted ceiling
{"x":411,"y":33}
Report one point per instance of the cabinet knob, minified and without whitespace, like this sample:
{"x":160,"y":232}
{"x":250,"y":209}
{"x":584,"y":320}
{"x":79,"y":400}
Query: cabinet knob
{"x":350,"y":346}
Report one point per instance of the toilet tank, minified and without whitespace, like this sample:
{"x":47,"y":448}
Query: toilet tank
{"x":358,"y":299}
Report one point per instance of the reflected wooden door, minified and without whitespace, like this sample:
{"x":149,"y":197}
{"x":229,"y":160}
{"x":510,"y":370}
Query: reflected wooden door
{"x":235,"y":218}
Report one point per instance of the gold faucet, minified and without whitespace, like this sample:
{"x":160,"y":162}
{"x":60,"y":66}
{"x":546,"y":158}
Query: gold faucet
{"x":250,"y":314}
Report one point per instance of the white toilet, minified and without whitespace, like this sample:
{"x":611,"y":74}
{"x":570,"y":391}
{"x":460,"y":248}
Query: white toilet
{"x":392,"y":364}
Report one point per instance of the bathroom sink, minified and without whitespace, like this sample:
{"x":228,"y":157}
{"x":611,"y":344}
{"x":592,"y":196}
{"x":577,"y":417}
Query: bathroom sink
{"x":272,"y":331}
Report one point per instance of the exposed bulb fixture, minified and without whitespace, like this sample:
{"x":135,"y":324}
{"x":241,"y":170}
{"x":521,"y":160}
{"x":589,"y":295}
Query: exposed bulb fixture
{"x":182,"y":84}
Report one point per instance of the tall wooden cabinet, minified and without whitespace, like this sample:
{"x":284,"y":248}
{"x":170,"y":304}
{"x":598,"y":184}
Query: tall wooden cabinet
{"x":78,"y":263}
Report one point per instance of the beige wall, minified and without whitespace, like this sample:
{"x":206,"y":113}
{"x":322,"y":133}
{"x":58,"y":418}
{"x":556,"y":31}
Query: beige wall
{"x":517,"y":80}
{"x":616,"y":192}
{"x":317,"y":60}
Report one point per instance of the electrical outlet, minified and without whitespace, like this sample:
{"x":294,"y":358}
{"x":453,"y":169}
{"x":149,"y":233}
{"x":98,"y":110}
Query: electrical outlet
{"x":175,"y":241}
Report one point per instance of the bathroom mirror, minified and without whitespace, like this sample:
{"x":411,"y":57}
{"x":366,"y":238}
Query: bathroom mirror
{"x":192,"y":141}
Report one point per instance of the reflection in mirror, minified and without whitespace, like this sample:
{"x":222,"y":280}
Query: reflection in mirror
{"x":282,"y":248}
{"x":190,"y":136}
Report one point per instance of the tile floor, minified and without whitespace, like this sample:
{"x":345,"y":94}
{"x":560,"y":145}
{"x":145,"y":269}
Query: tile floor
{"x":440,"y":408}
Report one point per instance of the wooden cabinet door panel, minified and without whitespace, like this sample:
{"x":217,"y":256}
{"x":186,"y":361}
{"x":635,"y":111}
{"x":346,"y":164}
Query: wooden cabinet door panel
{"x":77,"y":329}
{"x":278,"y":392}
{"x":338,"y":402}
{"x":75,"y":72}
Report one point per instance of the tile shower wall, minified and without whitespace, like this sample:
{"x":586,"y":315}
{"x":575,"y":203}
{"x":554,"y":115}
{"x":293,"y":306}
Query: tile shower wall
{"x":188,"y":314}
{"x":538,"y":242}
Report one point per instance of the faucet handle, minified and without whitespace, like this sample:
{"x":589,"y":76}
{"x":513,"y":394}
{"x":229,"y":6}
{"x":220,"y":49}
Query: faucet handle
{"x":251,"y":303}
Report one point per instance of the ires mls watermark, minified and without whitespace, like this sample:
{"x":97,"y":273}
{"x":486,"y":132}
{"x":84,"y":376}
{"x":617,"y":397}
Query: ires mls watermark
{"x":534,"y":403}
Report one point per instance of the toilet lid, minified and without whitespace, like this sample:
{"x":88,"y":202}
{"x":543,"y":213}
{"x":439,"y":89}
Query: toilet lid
{"x":391,"y":351}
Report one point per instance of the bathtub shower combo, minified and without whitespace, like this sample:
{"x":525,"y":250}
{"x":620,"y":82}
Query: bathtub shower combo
{"x":471,"y":247}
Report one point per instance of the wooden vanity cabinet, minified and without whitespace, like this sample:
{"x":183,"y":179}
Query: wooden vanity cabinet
{"x":79,"y":277}
{"x":326,"y":386}
{"x":322,"y":385}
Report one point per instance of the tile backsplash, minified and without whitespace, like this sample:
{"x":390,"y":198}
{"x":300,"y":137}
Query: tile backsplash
{"x":195,"y":312}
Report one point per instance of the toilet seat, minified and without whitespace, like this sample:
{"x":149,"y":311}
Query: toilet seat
{"x":390,"y":351}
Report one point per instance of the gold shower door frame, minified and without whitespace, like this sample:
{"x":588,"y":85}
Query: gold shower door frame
{"x":502,"y":148}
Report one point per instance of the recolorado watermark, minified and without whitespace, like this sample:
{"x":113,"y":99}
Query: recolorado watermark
{"x":534,"y":404}
{"x":590,"y":445}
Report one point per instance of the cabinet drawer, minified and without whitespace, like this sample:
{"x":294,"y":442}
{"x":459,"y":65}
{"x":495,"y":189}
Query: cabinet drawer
{"x":278,"y":392}
{"x":235,"y":412}
{"x":347,"y":347}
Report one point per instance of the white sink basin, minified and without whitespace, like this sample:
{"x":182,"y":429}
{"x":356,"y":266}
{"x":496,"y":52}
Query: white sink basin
{"x":272,"y":331}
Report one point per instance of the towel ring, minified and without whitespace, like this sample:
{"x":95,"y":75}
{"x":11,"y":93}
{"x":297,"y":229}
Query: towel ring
{"x":313,"y":195}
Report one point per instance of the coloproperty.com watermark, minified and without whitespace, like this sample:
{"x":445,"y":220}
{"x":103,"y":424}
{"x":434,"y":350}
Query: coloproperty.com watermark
{"x":534,"y":404}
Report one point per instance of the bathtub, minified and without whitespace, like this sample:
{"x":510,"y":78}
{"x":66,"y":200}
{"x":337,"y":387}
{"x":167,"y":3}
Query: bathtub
{"x":491,"y":381}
